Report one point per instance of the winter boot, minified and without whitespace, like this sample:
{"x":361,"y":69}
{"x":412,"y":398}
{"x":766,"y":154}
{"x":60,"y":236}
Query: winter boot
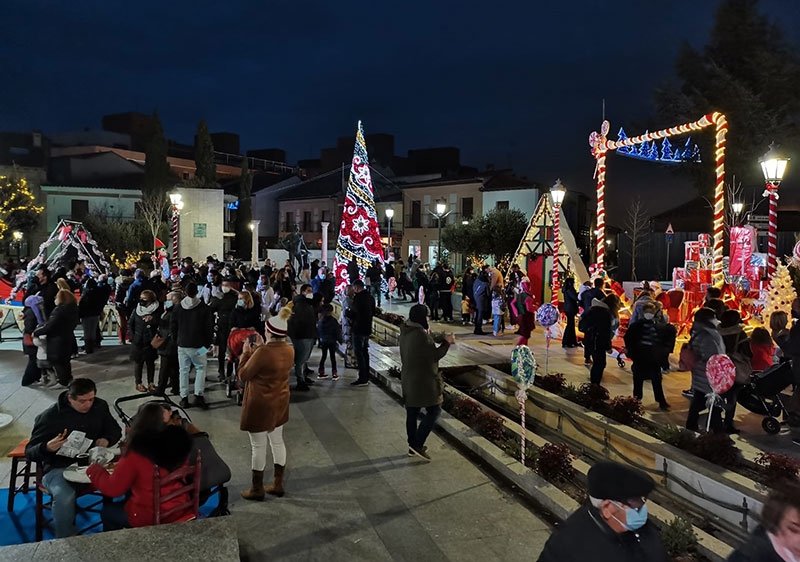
{"x":256,"y":491}
{"x":276,"y":488}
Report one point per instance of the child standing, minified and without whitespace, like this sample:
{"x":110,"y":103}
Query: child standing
{"x":465,"y":311}
{"x":762,"y":347}
{"x":330,"y":335}
{"x":498,"y":309}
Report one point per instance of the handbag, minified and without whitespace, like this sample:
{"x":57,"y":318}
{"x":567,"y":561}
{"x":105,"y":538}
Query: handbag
{"x":687,"y":359}
{"x":157,"y":341}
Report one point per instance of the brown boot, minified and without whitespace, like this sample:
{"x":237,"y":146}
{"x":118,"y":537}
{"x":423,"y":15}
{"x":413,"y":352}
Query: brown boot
{"x":256,"y":491}
{"x":276,"y":488}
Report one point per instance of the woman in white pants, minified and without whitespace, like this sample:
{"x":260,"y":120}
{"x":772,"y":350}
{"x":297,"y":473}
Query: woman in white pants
{"x":264,"y":367}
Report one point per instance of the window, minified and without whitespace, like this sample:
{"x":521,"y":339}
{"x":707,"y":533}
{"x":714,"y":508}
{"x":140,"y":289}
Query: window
{"x":416,"y":214}
{"x":466,"y":208}
{"x":324,"y":217}
{"x":288,"y":226}
{"x":186,"y":175}
{"x":502,"y":205}
{"x":80,"y":209}
{"x":306,"y":221}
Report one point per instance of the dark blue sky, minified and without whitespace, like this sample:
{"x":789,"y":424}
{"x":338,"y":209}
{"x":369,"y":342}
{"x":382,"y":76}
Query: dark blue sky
{"x":520,"y":81}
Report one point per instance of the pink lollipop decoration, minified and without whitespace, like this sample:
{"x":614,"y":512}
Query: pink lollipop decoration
{"x":721,"y":373}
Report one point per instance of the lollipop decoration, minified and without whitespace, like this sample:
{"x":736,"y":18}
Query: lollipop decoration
{"x":721,"y":373}
{"x":547,"y":315}
{"x":523,"y":369}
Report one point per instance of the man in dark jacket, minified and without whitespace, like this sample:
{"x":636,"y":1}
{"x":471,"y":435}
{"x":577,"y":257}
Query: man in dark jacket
{"x":47,"y":289}
{"x":90,"y":307}
{"x":778,"y":538}
{"x":77,"y":409}
{"x":222,"y":305}
{"x":480,"y":290}
{"x":586,"y":298}
{"x":422,"y":383}
{"x":614,"y":525}
{"x":192,"y":328}
{"x":570,"y":311}
{"x":645,"y":346}
{"x":360,"y":315}
{"x":596,"y":327}
{"x":447,"y":283}
{"x":302,"y":331}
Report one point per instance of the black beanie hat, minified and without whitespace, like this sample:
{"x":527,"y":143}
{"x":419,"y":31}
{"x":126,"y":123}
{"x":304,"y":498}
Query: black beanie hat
{"x":419,"y":314}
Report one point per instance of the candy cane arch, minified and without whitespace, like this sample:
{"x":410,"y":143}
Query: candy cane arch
{"x":601,"y":145}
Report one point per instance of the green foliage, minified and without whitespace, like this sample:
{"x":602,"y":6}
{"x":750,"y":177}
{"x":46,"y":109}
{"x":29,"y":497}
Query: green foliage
{"x":750,"y":72}
{"x":204,"y":157}
{"x":490,"y":425}
{"x":497,"y":234}
{"x":244,"y":215}
{"x":625,"y":409}
{"x":117,"y":237}
{"x":676,"y":436}
{"x":679,"y":538}
{"x":777,"y":468}
{"x":513,"y":447}
{"x":554,"y":463}
{"x":157,"y":174}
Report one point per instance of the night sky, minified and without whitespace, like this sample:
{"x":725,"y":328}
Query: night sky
{"x":507,"y":82}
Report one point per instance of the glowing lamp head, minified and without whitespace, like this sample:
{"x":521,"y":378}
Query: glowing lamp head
{"x":773,"y":165}
{"x":389,"y":213}
{"x":441,"y":207}
{"x":17,"y":236}
{"x":558,"y":192}
{"x":252,"y":226}
{"x":738,"y":207}
{"x":465,"y":222}
{"x":175,"y":198}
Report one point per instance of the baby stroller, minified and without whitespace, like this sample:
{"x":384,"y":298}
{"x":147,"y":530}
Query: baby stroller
{"x":215,"y":473}
{"x":235,"y":348}
{"x":763,"y":395}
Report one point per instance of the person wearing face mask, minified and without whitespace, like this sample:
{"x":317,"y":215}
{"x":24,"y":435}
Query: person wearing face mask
{"x":705,"y":342}
{"x":303,"y":332}
{"x":168,"y":350}
{"x":213,"y":287}
{"x":645,"y":346}
{"x":614,"y":525}
{"x":143,"y":325}
{"x":222,"y":305}
{"x":246,"y":314}
{"x":777,"y":539}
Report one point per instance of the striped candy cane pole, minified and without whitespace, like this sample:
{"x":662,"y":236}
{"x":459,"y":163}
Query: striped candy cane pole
{"x":175,"y":234}
{"x":556,"y":284}
{"x":601,"y":207}
{"x":721,"y":126}
{"x":772,"y":235}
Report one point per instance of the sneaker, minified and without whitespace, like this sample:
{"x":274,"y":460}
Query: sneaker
{"x":184,"y":403}
{"x":421,"y":453}
{"x":200,"y":402}
{"x":688,"y":393}
{"x":411,"y":452}
{"x":322,"y":376}
{"x":335,"y":376}
{"x":359,"y":383}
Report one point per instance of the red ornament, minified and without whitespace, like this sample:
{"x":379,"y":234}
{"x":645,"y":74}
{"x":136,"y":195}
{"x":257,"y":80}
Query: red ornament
{"x":721,"y":373}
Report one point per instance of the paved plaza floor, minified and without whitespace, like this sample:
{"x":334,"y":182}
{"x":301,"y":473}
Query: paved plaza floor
{"x":352,"y":491}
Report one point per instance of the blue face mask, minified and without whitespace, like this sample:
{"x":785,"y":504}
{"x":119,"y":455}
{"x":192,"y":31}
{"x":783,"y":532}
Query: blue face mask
{"x":168,"y":304}
{"x":210,"y":278}
{"x":240,"y":302}
{"x":634,"y":518}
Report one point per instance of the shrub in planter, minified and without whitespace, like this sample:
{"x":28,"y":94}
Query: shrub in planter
{"x":490,"y":425}
{"x":554,"y":462}
{"x":394,"y":319}
{"x":679,"y":539}
{"x":625,"y":409}
{"x":777,"y":467}
{"x":555,"y":383}
{"x":717,"y":448}
{"x":447,"y":402}
{"x":512,"y":447}
{"x":466,"y":409}
{"x":676,"y":436}
{"x":394,"y":372}
{"x":570,"y":392}
{"x":592,"y":396}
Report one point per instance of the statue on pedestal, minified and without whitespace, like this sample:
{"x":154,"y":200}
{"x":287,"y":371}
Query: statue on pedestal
{"x":296,"y":246}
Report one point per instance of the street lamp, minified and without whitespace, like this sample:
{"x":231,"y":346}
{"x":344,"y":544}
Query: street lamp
{"x":389,"y":216}
{"x":773,"y":165}
{"x":17,"y":235}
{"x":737,"y":208}
{"x":254,"y":238}
{"x":177,"y":204}
{"x":557,"y":193}
{"x":441,"y":207}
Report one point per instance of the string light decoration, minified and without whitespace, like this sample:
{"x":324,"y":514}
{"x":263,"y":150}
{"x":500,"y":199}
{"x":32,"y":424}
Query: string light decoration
{"x":359,"y":236}
{"x":601,"y":145}
{"x":15,"y":196}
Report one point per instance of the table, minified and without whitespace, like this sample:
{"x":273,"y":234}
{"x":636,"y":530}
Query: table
{"x":76,"y":474}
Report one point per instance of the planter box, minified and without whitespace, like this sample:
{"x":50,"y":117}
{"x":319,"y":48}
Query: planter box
{"x":385,"y":333}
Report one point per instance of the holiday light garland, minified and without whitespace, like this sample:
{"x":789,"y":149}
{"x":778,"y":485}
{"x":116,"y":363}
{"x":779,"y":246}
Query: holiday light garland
{"x":16,"y":196}
{"x":600,"y":145}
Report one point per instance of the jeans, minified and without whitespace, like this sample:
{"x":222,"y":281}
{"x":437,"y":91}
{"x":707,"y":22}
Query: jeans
{"x":496,"y":318}
{"x":478,"y":320}
{"x":375,"y":291}
{"x":90,"y":325}
{"x":168,"y":372}
{"x":328,"y":346}
{"x":188,"y":356}
{"x":653,"y":372}
{"x":361,"y":349}
{"x":63,"y":494}
{"x":598,"y":366}
{"x":417,"y":435}
{"x":302,"y":351}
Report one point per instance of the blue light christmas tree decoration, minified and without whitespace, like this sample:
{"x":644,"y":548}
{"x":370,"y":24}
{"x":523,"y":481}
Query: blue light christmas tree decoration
{"x":666,"y":153}
{"x":666,"y":150}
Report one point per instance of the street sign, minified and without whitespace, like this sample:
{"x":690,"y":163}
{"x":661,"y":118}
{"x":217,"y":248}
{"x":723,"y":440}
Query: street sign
{"x":760,"y":222}
{"x":669,"y":229}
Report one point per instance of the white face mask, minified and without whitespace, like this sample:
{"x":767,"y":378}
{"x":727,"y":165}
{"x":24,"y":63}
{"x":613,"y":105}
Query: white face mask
{"x":649,"y":315}
{"x":309,"y":295}
{"x":226,"y":289}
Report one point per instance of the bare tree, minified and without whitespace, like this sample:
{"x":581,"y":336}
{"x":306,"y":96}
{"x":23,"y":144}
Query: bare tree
{"x":733,"y":194}
{"x":637,"y":229}
{"x":153,"y":210}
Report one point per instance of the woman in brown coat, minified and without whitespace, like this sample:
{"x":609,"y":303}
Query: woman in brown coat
{"x":265,"y":407}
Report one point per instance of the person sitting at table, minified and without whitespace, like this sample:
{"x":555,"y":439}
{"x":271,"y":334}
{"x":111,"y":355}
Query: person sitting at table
{"x":151,"y":442}
{"x":77,"y":409}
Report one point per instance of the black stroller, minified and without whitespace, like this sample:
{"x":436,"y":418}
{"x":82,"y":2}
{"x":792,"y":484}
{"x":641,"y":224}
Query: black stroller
{"x":215,"y":473}
{"x":763,"y":395}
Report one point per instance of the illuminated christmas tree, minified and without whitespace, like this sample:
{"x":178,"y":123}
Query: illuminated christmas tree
{"x":17,"y":203}
{"x":781,"y":293}
{"x":359,"y":235}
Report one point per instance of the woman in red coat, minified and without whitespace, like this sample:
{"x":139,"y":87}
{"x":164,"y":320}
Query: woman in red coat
{"x":151,"y":442}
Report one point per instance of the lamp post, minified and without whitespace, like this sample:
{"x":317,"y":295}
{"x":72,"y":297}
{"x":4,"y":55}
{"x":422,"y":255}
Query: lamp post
{"x":17,"y":235}
{"x":441,"y":207}
{"x":557,"y":193}
{"x":254,"y":228}
{"x":177,"y":204}
{"x":773,"y":165}
{"x":389,"y":216}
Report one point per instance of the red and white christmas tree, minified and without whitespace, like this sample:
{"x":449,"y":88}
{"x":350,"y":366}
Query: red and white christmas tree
{"x":359,"y":234}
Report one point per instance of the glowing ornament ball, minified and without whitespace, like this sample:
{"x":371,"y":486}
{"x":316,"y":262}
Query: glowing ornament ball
{"x":721,"y":373}
{"x":547,"y":315}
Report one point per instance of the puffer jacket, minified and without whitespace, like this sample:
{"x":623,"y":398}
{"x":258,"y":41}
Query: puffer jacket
{"x":705,"y":342}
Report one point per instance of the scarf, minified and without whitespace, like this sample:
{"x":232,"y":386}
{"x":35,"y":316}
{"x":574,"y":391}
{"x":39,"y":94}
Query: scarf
{"x":146,"y":310}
